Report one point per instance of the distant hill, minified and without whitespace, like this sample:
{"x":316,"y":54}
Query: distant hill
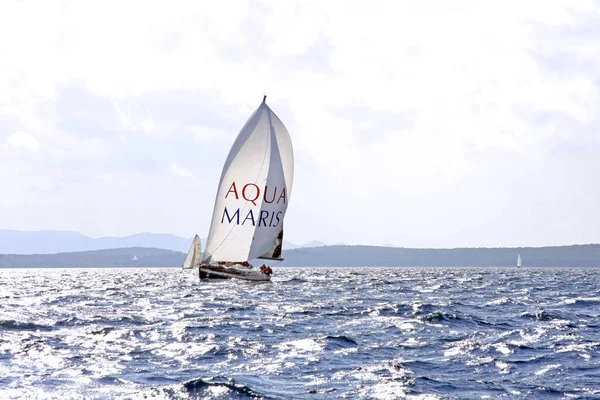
{"x":314,"y":243}
{"x":332,"y":256}
{"x":51,"y":242}
{"x":128,"y":257}
{"x":340,"y":256}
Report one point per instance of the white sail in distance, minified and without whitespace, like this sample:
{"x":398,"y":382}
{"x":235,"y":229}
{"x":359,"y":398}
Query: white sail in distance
{"x":193,"y":256}
{"x":254,"y":191}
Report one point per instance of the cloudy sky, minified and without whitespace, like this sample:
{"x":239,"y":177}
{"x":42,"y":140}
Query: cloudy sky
{"x":428,"y":124}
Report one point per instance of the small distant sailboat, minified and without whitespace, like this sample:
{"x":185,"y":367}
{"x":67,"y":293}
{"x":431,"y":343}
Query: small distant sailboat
{"x":252,"y":198}
{"x":519,"y":261}
{"x":193,"y":257}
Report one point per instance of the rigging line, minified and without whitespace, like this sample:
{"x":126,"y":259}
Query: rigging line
{"x":267,"y":148}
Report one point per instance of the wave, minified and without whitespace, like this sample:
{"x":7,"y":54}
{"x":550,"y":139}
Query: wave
{"x":439,"y":316}
{"x":295,"y":280}
{"x":69,"y":299}
{"x":101,"y":330}
{"x":13,"y":325}
{"x":339,"y":342}
{"x":580,"y":301}
{"x":401,"y":309}
{"x":541,"y":315}
{"x":71,"y":321}
{"x":220,"y":388}
{"x":424,"y":308}
{"x":230,"y":389}
{"x":123,"y":319}
{"x":501,"y":301}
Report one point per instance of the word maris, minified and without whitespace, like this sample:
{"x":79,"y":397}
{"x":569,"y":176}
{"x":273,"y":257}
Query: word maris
{"x":266,"y":218}
{"x":251,"y":192}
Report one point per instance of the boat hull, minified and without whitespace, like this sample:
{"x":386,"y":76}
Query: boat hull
{"x":234,"y":273}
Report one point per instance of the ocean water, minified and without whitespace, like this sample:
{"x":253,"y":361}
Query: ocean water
{"x":311,"y":333}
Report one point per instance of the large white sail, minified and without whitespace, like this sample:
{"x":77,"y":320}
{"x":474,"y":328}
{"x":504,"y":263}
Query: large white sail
{"x":254,"y":191}
{"x":518,"y":260}
{"x":193,"y":256}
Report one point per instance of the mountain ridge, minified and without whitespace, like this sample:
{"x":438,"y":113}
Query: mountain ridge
{"x":587,"y":255}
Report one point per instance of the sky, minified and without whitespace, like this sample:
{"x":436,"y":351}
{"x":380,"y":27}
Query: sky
{"x":414,"y":124}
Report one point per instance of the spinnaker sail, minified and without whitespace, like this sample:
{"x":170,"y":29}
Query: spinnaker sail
{"x":253,"y":193}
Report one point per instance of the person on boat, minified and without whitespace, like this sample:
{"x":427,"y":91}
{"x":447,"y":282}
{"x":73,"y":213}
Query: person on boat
{"x":266,"y":270}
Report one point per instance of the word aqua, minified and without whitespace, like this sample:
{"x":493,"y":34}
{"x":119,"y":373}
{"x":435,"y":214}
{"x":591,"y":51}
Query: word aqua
{"x":251,"y":193}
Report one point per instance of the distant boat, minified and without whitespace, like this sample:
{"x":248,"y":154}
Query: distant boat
{"x":519,"y":261}
{"x":252,"y":198}
{"x":193,"y":257}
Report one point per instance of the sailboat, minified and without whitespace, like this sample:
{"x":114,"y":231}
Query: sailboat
{"x":193,"y":257}
{"x":252,"y":198}
{"x":519,"y":261}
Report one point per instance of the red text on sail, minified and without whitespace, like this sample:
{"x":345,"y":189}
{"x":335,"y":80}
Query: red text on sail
{"x":251,"y":192}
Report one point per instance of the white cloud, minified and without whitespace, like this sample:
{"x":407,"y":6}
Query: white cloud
{"x":175,"y":169}
{"x":24,"y":141}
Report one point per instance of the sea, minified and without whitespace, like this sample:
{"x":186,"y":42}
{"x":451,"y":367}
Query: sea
{"x":310,"y":333}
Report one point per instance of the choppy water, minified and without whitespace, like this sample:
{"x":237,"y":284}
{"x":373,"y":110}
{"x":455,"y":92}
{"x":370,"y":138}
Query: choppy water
{"x":322,"y":333}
